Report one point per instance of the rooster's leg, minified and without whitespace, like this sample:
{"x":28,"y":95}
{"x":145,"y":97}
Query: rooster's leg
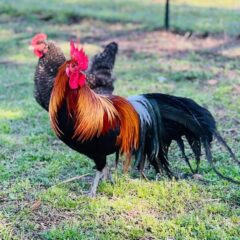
{"x":104,"y":174}
{"x":116,"y":160}
{"x":96,"y":180}
{"x":107,"y":175}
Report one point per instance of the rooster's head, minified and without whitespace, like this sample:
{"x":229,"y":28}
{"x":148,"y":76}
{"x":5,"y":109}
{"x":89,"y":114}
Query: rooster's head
{"x":39,"y":44}
{"x":76,"y":66}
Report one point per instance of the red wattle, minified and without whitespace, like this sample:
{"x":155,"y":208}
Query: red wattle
{"x":81,"y":80}
{"x":73,"y":80}
{"x":38,"y":53}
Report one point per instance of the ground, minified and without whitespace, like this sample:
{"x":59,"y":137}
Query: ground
{"x":199,"y":58}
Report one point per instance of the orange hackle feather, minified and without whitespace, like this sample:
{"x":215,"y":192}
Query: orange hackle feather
{"x":57,"y":96}
{"x":128,"y":138}
{"x":94,"y":115}
{"x":92,"y":110}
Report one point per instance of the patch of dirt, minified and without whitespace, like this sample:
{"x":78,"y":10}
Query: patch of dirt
{"x":45,"y":217}
{"x":42,"y":216}
{"x":169,"y":43}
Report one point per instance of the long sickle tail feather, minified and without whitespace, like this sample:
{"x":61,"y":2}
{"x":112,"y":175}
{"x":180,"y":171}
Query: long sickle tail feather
{"x":180,"y":144}
{"x":150,"y":135}
{"x":140,"y":155}
{"x":195,"y":120}
{"x":209,"y":158}
{"x":225,"y":145}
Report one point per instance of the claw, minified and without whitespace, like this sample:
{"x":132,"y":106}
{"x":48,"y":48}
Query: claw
{"x":144,"y":176}
{"x":100,"y":175}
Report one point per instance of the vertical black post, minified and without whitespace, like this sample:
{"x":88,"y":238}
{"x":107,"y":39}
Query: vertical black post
{"x":167,"y":15}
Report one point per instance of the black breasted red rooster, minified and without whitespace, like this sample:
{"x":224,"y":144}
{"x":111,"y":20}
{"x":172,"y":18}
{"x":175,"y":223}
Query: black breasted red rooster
{"x":97,"y":125}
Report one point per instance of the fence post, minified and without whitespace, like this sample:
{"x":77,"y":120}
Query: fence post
{"x":167,"y":13}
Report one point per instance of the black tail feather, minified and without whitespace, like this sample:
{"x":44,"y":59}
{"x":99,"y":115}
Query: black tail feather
{"x":225,"y":145}
{"x":140,"y":155}
{"x":209,"y":158}
{"x":195,"y":144}
{"x":180,"y":144}
{"x":172,"y":118}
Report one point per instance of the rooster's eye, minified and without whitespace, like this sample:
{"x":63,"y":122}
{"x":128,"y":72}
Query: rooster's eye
{"x":73,"y":65}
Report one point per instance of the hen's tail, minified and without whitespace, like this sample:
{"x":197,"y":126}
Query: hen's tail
{"x":100,"y":76}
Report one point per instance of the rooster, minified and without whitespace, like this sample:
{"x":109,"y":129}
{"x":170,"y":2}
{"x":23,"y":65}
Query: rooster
{"x":92,"y":124}
{"x":98,"y":125}
{"x":51,"y":57}
{"x":99,"y":74}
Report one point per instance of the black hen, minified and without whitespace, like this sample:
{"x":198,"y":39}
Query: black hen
{"x":51,"y":57}
{"x":100,"y":72}
{"x":46,"y":72}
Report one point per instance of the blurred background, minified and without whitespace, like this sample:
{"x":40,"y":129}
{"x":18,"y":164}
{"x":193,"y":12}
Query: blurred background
{"x":194,"y":52}
{"x":197,"y":31}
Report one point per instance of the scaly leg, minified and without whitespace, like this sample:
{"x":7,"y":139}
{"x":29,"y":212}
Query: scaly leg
{"x":96,"y":180}
{"x":104,"y":174}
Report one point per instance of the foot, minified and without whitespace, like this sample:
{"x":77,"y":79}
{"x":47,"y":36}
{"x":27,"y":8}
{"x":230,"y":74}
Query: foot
{"x":103,"y":175}
{"x":96,"y":180}
{"x":144,"y":176}
{"x":197,"y":176}
{"x":158,"y":177}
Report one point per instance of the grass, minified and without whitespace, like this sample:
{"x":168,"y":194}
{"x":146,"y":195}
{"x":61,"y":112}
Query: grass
{"x":205,"y":17}
{"x":33,"y":161}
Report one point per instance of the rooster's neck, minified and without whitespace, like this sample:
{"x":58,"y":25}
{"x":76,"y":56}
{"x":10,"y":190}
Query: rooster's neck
{"x":91,"y":113}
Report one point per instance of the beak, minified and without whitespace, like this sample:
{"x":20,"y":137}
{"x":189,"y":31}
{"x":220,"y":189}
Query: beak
{"x":67,"y":71}
{"x":82,"y":72}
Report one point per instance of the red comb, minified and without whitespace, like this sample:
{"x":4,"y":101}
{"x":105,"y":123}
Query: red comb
{"x":38,"y":38}
{"x":79,"y":56}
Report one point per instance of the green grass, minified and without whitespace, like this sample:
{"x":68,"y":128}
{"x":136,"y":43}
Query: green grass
{"x":205,"y":17}
{"x":32,"y":161}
